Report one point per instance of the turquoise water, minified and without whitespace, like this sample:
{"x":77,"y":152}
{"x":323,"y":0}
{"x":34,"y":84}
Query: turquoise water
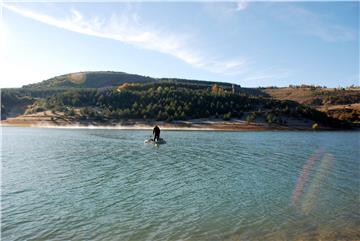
{"x":86,"y":184}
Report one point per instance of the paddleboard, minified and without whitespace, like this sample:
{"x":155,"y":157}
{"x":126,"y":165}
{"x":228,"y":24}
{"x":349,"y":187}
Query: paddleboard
{"x":151,"y":141}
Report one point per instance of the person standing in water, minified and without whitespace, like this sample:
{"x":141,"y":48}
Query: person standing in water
{"x":156,"y":133}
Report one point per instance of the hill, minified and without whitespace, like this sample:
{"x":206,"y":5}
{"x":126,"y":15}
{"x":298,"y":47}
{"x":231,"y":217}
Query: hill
{"x":106,"y":79}
{"x":316,"y":96}
{"x":339,"y":103}
{"x":110,"y":97}
{"x":90,"y":79}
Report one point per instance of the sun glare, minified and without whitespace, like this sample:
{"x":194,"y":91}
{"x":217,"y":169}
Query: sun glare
{"x":4,"y":31}
{"x":4,"y":35}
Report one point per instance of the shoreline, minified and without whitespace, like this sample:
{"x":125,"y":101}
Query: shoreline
{"x":192,"y":125}
{"x":137,"y":127}
{"x":48,"y":119}
{"x":146,"y":126}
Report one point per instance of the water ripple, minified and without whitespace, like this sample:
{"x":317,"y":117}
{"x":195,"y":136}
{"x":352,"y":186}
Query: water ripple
{"x":107,"y":185}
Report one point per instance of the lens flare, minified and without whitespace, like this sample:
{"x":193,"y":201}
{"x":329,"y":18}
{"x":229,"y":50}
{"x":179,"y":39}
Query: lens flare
{"x":308,"y":189}
{"x":304,"y":176}
{"x":313,"y":191}
{"x":4,"y":31}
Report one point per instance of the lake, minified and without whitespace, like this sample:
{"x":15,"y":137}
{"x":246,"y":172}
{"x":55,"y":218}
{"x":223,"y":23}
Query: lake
{"x":102,"y":184}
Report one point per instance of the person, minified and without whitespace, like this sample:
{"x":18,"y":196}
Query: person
{"x":156,"y":133}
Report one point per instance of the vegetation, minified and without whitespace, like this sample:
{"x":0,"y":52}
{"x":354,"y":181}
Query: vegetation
{"x":337,"y":103}
{"x":103,"y":96}
{"x":98,"y":79}
{"x":14,"y":103}
{"x":316,"y":95}
{"x":170,"y":101}
{"x":315,"y":126}
{"x":151,"y":101}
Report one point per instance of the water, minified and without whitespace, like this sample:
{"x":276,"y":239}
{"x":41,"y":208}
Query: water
{"x":72,"y":184}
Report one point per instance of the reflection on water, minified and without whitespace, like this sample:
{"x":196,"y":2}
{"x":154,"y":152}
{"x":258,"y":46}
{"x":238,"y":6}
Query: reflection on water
{"x":107,"y":185}
{"x":311,"y":195}
{"x":304,"y":176}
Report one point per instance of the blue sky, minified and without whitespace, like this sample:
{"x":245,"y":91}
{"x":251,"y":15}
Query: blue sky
{"x":248,"y":43}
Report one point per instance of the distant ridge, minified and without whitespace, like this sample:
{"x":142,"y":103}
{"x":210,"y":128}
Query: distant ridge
{"x":102,"y":79}
{"x":91,"y":79}
{"x":99,"y":96}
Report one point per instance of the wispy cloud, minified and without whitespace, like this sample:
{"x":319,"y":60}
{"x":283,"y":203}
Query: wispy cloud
{"x":267,"y":74}
{"x":129,"y":29}
{"x":241,"y":5}
{"x":310,"y":23}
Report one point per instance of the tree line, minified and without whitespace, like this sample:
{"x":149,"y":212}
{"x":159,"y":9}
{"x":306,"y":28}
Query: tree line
{"x":169,"y":101}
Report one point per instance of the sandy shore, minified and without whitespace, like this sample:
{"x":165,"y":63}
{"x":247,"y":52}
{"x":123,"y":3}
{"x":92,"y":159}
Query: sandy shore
{"x":58,"y":120}
{"x":140,"y":125}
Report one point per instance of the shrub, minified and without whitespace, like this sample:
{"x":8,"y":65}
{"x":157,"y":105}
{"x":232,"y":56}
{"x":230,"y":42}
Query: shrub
{"x":269,"y":118}
{"x":227,"y":116}
{"x":315,"y":126}
{"x":250,"y":118}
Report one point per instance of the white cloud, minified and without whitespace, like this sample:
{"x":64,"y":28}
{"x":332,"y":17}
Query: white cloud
{"x":128,"y":28}
{"x":267,"y":74}
{"x":4,"y":33}
{"x":309,"y":23}
{"x":241,"y":5}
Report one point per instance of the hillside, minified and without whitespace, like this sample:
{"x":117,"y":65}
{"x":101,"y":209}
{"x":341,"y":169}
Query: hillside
{"x":316,"y":96}
{"x":339,"y":103}
{"x":106,"y":79}
{"x":110,"y":97}
{"x":90,"y":79}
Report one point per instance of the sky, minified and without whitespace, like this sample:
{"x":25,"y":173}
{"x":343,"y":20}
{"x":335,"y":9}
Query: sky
{"x":248,"y":43}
